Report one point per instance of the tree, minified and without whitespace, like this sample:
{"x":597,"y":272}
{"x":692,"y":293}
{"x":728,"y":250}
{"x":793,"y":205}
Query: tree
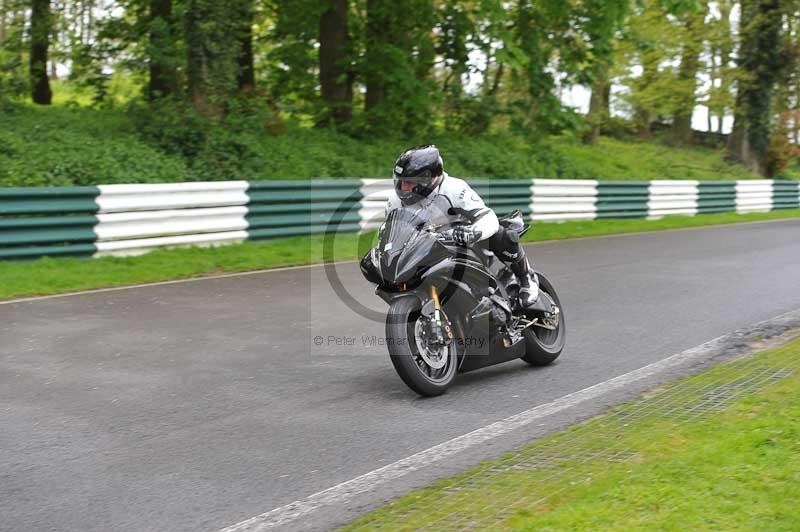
{"x":14,"y":73}
{"x":335,"y":75}
{"x":214,"y":48}
{"x":686,"y":86}
{"x":247,"y":70}
{"x":602,"y":22}
{"x":291,"y":54}
{"x":759,"y":63}
{"x":721,"y":43}
{"x":41,"y":25}
{"x":379,"y":42}
{"x":599,"y":107}
{"x":4,"y":12}
{"x":397,"y":65}
{"x":538,"y":30}
{"x":163,"y":80}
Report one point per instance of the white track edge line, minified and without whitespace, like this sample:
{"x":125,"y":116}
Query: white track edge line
{"x":347,"y":490}
{"x":174,"y":281}
{"x":320,"y":264}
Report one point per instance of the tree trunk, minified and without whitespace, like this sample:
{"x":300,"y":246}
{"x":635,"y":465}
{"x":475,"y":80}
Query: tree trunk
{"x":761,"y":22}
{"x":599,"y":108}
{"x":335,"y":80}
{"x":82,"y":22}
{"x":641,"y":115}
{"x":212,"y":66}
{"x":247,"y":70}
{"x":163,"y":73}
{"x":378,"y":32}
{"x":713,"y":74}
{"x":90,"y":22}
{"x":3,"y":26}
{"x":498,"y":77}
{"x":687,"y":74}
{"x":41,"y":24}
{"x":725,"y":50}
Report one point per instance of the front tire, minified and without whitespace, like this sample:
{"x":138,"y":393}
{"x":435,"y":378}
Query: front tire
{"x":543,"y":346}
{"x":404,"y":350}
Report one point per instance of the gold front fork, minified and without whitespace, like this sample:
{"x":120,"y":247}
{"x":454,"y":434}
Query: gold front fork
{"x":435,"y":297}
{"x":437,"y":316}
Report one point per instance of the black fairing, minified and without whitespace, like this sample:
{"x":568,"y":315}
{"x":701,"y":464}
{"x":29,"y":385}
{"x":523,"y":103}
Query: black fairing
{"x":404,"y":250}
{"x":409,"y":259}
{"x":368,"y":269}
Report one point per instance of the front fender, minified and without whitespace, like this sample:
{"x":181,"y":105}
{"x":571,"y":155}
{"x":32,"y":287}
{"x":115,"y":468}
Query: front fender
{"x":389,"y":296}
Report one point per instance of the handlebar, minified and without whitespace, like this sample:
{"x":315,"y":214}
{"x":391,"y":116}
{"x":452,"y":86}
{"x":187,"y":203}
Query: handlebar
{"x":446,"y":237}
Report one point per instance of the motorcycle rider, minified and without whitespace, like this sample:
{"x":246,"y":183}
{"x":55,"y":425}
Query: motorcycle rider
{"x":421,"y":183}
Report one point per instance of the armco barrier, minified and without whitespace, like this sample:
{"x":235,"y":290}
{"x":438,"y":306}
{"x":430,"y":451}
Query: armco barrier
{"x":290,"y":208}
{"x":51,"y":221}
{"x":133,"y":219}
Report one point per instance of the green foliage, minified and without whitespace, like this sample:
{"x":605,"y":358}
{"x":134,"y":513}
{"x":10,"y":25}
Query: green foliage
{"x":77,"y":146}
{"x":13,"y":54}
{"x":171,"y":141}
{"x":407,"y":68}
{"x":762,"y":22}
{"x":778,"y":153}
{"x":289,"y":57}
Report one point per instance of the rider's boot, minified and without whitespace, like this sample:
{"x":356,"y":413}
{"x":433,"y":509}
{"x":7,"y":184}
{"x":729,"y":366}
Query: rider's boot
{"x":528,"y":282}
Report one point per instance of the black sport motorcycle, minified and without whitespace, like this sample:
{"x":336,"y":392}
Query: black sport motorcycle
{"x":454,"y":309}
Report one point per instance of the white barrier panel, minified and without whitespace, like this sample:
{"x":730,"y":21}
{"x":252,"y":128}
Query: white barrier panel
{"x":556,"y":199}
{"x":375,"y":193}
{"x":143,"y":224}
{"x":672,"y":197}
{"x":140,"y":246}
{"x":752,"y":196}
{"x":126,"y":198}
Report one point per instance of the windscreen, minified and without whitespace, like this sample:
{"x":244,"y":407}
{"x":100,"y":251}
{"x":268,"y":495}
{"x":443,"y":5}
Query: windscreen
{"x":400,"y":226}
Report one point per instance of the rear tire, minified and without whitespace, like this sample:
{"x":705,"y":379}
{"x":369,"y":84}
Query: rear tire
{"x":543,"y":346}
{"x":405,"y":355}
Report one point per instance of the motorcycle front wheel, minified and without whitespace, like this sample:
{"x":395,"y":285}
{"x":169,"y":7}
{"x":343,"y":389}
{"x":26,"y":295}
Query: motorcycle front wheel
{"x":427,"y":369}
{"x":543,"y":346}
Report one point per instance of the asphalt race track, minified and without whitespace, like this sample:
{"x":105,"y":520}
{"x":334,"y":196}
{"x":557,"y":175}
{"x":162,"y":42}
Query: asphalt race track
{"x":194,"y":406}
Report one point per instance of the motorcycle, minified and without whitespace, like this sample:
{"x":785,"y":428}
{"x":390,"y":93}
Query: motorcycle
{"x":454,"y":309}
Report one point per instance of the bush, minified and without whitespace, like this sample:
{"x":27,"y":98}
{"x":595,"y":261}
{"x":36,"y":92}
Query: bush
{"x":72,"y":145}
{"x":62,"y":146}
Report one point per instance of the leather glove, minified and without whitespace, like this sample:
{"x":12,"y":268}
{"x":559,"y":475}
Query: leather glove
{"x":465,"y":235}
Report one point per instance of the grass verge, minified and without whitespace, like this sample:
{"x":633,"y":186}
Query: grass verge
{"x":53,"y":276}
{"x":69,"y":143}
{"x":716,"y":451}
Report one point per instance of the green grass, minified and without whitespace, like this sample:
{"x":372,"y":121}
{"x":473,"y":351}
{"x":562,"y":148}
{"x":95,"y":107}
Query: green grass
{"x":648,"y":160}
{"x":71,"y":144}
{"x":733,"y":470}
{"x":53,"y":276}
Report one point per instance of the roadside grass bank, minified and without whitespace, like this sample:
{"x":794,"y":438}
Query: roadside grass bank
{"x":50,"y":276}
{"x":715,"y":451}
{"x":69,"y":143}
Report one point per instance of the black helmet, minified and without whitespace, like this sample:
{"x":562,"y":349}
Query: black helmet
{"x":421,"y":165}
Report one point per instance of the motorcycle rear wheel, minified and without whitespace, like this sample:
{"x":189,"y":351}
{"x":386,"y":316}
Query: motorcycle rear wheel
{"x":543,"y":346}
{"x":405,"y":352}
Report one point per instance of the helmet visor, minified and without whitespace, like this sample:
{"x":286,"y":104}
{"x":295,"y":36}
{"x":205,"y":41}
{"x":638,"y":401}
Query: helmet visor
{"x":424,"y":178}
